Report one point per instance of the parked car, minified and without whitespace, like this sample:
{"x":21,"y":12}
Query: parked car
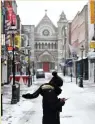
{"x":40,"y":73}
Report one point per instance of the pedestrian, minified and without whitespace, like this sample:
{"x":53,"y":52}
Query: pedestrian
{"x":52,"y":105}
{"x":33,"y":71}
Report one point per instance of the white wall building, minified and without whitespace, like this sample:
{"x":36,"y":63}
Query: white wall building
{"x":91,"y":31}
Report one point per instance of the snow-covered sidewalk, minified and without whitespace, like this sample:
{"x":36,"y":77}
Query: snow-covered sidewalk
{"x":79,"y":108}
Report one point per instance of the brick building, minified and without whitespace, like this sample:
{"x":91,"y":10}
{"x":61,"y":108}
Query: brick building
{"x":79,"y":37}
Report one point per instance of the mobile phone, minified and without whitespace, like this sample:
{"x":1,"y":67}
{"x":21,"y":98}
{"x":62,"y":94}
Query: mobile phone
{"x":65,"y":99}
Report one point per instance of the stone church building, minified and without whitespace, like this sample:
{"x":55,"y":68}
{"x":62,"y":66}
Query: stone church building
{"x":47,"y":43}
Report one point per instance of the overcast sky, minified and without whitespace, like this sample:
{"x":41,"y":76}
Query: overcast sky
{"x":31,"y":12}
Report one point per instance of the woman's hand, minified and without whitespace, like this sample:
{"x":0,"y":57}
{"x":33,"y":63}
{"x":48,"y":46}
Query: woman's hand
{"x":26,"y":95}
{"x":63,"y":99}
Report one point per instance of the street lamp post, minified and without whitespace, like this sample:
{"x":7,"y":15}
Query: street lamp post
{"x":76,"y":72}
{"x":81,"y":75}
{"x":33,"y":71}
{"x":65,"y":48}
{"x":71,"y":73}
{"x":70,"y":64}
{"x":29,"y":68}
{"x":29,"y":73}
{"x":14,"y":92}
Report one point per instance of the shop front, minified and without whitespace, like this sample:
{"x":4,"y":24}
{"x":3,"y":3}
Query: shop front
{"x":85,"y":68}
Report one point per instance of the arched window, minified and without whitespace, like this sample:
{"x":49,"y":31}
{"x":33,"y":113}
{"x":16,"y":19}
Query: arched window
{"x":52,"y":45}
{"x":49,"y":45}
{"x":42,"y":46}
{"x":35,"y":45}
{"x":55,"y":45}
{"x":45,"y":45}
{"x":39,"y":46}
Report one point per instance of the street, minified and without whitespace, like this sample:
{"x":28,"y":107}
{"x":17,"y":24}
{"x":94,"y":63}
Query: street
{"x":79,"y":108}
{"x":38,"y":38}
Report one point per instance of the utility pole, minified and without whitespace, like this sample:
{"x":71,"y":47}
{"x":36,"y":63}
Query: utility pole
{"x":29,"y":68}
{"x":14,"y":91}
{"x":65,"y":49}
{"x":33,"y":71}
{"x":81,"y":75}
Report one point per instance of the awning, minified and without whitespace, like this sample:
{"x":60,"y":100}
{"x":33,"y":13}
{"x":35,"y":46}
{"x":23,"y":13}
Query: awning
{"x":62,"y":64}
{"x":81,"y":58}
{"x":67,"y":63}
{"x":91,"y":55}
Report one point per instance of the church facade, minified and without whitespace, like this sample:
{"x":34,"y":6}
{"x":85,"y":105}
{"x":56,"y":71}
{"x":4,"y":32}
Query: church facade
{"x":47,"y":43}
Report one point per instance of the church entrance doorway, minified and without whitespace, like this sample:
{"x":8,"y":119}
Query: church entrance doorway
{"x":46,"y":66}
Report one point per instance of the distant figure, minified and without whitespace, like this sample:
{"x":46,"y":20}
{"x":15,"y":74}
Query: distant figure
{"x":52,"y":105}
{"x":33,"y":71}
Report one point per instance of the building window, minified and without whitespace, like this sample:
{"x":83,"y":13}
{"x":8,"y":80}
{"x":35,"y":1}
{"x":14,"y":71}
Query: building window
{"x":42,"y":46}
{"x":49,"y":46}
{"x":52,"y":65}
{"x":52,"y":45}
{"x":55,"y":45}
{"x":39,"y":46}
{"x":40,"y":65}
{"x":36,"y":46}
{"x":45,"y":32}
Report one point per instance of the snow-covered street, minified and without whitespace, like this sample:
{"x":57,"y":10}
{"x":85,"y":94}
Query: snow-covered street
{"x":79,"y":108}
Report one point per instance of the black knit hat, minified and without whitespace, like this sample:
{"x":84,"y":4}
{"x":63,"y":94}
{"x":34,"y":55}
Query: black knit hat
{"x":56,"y":80}
{"x":54,"y":73}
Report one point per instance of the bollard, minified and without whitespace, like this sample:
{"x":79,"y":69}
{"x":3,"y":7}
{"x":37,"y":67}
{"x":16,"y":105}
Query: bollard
{"x":31,"y":79}
{"x":18,"y":91}
{"x":29,"y":83}
{"x":81,"y":82}
{"x":1,"y":105}
{"x":2,"y":99}
{"x":14,"y":94}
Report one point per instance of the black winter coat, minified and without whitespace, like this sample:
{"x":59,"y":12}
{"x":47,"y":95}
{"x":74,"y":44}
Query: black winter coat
{"x":52,"y":106}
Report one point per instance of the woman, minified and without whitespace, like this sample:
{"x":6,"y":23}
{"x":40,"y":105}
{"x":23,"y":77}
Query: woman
{"x":52,"y":106}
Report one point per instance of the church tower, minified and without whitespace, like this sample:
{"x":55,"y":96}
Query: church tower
{"x":62,"y":31}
